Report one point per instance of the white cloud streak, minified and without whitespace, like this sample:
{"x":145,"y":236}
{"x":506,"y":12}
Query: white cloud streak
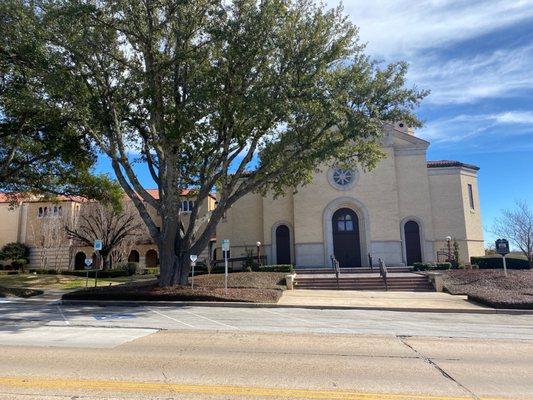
{"x":463,"y":127}
{"x":410,"y":30}
{"x":395,"y":28}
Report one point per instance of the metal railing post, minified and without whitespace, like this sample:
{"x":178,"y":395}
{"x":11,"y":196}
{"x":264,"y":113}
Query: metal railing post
{"x":383,"y":272}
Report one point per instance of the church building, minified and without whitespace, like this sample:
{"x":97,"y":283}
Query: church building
{"x":406,"y":210}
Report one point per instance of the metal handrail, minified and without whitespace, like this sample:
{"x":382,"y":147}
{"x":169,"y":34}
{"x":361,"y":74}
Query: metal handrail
{"x":383,"y":272}
{"x":336,"y":268}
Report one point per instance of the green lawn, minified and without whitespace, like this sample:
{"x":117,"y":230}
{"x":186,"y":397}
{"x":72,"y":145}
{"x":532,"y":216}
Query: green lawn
{"x":62,"y":282}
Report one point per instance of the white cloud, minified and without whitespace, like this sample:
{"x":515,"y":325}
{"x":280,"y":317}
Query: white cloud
{"x":516,"y":117}
{"x":463,"y":127}
{"x":502,"y":72}
{"x":410,"y":30}
{"x":395,"y":28}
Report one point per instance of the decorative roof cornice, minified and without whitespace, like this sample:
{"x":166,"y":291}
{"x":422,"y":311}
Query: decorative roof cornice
{"x":450,"y":164}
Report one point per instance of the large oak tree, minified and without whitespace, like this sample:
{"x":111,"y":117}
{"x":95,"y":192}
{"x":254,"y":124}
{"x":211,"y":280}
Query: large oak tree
{"x":234,"y":96}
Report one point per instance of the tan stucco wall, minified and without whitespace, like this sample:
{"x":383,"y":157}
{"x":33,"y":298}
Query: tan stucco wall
{"x":243,"y":225}
{"x":452,"y":215}
{"x":9,"y":223}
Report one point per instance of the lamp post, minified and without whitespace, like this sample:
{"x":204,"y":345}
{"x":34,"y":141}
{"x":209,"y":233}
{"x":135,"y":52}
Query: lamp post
{"x":258,"y":244}
{"x":449,"y":243}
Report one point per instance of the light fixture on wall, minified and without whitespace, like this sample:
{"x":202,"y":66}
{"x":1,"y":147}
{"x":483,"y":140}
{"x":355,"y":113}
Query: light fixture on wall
{"x":258,"y":244}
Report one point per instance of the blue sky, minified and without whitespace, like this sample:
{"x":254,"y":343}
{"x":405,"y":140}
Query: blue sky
{"x":476,"y":57}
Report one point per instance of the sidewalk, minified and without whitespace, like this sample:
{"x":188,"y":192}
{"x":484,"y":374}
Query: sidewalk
{"x":437,"y":301}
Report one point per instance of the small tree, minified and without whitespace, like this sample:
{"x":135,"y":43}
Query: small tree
{"x":456,"y":252}
{"x":48,"y":238}
{"x":15,"y":251}
{"x":517,"y":226}
{"x":99,"y":222}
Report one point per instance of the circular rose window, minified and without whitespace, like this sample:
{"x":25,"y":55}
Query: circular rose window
{"x":342,"y":178}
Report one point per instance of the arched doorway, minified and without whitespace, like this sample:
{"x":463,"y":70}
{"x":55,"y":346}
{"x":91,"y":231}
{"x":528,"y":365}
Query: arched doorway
{"x":151,"y":259}
{"x":79,"y":260}
{"x":413,"y":251}
{"x":346,"y":242}
{"x":283,"y":245}
{"x":134,"y":256}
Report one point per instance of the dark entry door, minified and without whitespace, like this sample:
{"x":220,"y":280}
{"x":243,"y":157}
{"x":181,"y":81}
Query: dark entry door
{"x":283,"y":245}
{"x":413,"y":252}
{"x":346,"y":243}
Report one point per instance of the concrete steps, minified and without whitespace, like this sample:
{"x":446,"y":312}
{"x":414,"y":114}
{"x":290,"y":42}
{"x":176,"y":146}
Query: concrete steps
{"x":358,"y":270}
{"x":396,"y":283}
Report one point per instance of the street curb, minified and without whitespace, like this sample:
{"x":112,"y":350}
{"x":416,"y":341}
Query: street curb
{"x":107,"y":303}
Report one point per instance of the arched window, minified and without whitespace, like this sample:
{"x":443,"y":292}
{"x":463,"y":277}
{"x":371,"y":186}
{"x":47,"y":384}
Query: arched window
{"x":45,"y":211}
{"x":79,"y":260}
{"x":345,"y":223}
{"x":134,"y":256}
{"x":41,"y":212}
{"x":413,"y":248}
{"x":151,"y":259}
{"x":55,"y":211}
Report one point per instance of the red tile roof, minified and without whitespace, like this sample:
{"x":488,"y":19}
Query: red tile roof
{"x":450,"y":163}
{"x":9,"y":197}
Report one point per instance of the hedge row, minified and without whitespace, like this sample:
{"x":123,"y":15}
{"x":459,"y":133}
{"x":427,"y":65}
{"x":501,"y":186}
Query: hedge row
{"x":276,"y":268}
{"x":112,"y":273}
{"x":418,"y":266}
{"x":497,"y":262}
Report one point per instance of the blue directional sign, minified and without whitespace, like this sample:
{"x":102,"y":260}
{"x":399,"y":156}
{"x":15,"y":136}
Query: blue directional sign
{"x":98,"y":245}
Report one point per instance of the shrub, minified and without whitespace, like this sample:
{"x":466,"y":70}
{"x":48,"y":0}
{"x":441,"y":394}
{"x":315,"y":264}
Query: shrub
{"x":15,"y":251}
{"x":418,"y":266}
{"x":151,"y":271}
{"x":277,"y":268}
{"x":497,"y":262}
{"x":131,"y":268}
{"x":19,"y":263}
{"x":444,"y":265}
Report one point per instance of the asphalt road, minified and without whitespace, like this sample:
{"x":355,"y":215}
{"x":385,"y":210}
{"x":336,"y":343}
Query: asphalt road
{"x":56,"y":352}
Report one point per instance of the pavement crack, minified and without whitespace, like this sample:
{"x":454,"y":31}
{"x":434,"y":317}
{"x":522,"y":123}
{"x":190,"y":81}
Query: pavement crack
{"x":428,"y":360}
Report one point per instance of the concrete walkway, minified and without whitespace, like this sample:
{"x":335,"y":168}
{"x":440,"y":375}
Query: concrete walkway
{"x":377,"y":299}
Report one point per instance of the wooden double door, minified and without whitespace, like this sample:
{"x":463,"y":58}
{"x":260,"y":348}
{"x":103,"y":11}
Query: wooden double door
{"x":346,"y":238}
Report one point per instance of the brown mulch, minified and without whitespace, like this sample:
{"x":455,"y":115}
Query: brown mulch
{"x":491,"y":287}
{"x":252,"y":287}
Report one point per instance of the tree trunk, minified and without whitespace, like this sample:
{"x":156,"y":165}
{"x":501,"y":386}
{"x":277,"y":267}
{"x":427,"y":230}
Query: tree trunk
{"x":167,"y":262}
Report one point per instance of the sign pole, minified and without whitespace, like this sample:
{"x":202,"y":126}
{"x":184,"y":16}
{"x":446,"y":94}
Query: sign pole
{"x":88,"y":263}
{"x":225,"y":249}
{"x":502,"y":247}
{"x":193,"y":258}
{"x":504,"y":265}
{"x":226,"y":272}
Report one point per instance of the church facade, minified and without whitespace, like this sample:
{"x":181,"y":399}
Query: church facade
{"x":406,"y":210}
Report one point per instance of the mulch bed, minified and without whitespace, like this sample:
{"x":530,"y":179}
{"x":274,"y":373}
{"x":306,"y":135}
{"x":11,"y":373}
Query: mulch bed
{"x":251,"y":287}
{"x":19,"y":292}
{"x":492,"y":288}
